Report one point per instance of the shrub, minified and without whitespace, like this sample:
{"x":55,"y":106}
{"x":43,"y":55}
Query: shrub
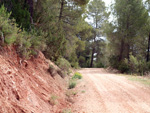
{"x":73,"y":60}
{"x":133,"y":64}
{"x":82,"y":61}
{"x":51,"y":70}
{"x":72,"y":84}
{"x":75,"y":65}
{"x":77,"y":76}
{"x":63,"y":64}
{"x":100,"y":65}
{"x":28,"y":42}
{"x":142,"y":66}
{"x":123,"y":66}
{"x":8,"y":27}
{"x":148,"y":66}
{"x":113,"y":61}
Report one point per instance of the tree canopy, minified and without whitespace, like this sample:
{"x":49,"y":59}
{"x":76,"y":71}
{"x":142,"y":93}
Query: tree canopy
{"x":80,"y":32}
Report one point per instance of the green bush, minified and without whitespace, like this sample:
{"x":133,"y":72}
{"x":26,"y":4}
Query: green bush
{"x":74,"y":60}
{"x":133,"y":64}
{"x":100,"y":65}
{"x":63,"y":64}
{"x":77,"y":76}
{"x":123,"y":66}
{"x":82,"y":61}
{"x":8,"y":27}
{"x":113,"y":61}
{"x":148,"y":66}
{"x":72,"y":84}
{"x":142,"y":67}
{"x":75,"y":65}
{"x":28,"y":42}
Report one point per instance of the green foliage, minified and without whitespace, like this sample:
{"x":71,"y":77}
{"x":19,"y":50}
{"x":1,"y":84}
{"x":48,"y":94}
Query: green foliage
{"x":82,"y":61}
{"x":21,"y":14}
{"x":62,"y":24}
{"x":133,"y":64}
{"x":123,"y":66}
{"x":142,"y":67}
{"x":19,"y":11}
{"x":63,"y":63}
{"x":100,"y":65}
{"x":113,"y":60}
{"x":56,"y":42}
{"x":29,"y":43}
{"x":81,"y":2}
{"x":8,"y":29}
{"x":96,"y":11}
{"x":72,"y":84}
{"x":148,"y":65}
{"x":65,"y":67}
{"x":74,"y":60}
{"x":75,"y":65}
{"x":77,"y":75}
{"x":128,"y":34}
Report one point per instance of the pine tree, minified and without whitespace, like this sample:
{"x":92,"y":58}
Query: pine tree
{"x":131,"y":16}
{"x":96,"y":11}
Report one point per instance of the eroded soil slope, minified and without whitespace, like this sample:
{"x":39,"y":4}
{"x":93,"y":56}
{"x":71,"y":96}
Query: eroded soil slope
{"x":102,"y":92}
{"x":26,"y":87}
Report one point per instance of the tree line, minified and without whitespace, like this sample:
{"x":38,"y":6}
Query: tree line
{"x":80,"y":31}
{"x":128,"y":36}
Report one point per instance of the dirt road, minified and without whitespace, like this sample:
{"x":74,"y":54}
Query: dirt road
{"x":102,"y":92}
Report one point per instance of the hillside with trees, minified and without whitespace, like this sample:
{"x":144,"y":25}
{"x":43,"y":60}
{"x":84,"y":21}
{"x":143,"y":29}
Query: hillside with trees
{"x":43,"y":41}
{"x":80,"y":32}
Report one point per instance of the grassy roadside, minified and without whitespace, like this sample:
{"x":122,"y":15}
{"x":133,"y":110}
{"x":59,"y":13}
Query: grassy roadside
{"x":140,"y":79}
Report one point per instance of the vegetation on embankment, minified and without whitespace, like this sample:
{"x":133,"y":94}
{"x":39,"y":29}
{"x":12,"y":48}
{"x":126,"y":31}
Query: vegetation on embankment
{"x":73,"y":80}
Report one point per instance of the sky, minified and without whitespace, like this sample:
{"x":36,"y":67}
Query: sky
{"x":108,"y":2}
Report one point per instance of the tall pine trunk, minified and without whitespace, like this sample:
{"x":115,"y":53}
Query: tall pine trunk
{"x":30,"y":2}
{"x":128,"y":40}
{"x":61,"y":9}
{"x":128,"y":52}
{"x":92,"y":57}
{"x":121,"y":50}
{"x":148,"y":49}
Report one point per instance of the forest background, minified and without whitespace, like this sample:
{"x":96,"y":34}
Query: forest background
{"x":59,"y":28}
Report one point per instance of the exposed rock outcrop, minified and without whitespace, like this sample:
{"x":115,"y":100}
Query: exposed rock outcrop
{"x":27,"y":87}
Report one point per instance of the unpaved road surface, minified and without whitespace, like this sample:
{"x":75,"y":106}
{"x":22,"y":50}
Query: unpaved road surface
{"x":102,"y":92}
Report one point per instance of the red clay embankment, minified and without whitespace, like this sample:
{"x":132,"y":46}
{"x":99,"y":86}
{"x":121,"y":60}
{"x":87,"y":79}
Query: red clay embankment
{"x":27,"y":87}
